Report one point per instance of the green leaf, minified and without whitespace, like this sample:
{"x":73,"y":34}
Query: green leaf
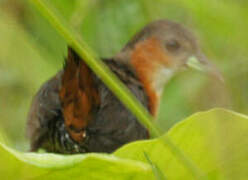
{"x":216,"y":141}
{"x":17,"y":165}
{"x":156,"y":170}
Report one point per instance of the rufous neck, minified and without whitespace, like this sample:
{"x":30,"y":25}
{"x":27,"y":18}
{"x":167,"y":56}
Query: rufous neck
{"x":145,"y":59}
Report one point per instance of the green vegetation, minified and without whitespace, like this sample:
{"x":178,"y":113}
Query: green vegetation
{"x":199,"y":136}
{"x":31,"y":52}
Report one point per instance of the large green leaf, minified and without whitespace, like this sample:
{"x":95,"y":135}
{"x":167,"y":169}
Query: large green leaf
{"x":215,"y":141}
{"x":16,"y":165}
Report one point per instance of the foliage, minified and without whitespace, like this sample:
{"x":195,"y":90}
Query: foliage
{"x":31,"y":52}
{"x":211,"y":139}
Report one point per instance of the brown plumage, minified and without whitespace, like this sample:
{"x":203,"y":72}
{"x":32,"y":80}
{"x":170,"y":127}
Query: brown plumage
{"x":78,"y":96}
{"x":83,"y":115}
{"x":75,"y":112}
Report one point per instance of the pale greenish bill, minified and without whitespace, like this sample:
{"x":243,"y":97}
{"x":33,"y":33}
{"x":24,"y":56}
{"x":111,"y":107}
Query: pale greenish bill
{"x":194,"y":63}
{"x":204,"y":65}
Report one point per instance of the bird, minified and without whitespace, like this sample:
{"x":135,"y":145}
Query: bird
{"x":75,"y":112}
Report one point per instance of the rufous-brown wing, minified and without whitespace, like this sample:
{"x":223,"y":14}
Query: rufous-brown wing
{"x":78,"y":95}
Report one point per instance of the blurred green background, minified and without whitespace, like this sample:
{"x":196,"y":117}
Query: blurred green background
{"x":31,"y":52}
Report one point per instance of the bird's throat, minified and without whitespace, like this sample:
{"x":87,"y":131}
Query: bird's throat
{"x":146,"y":60}
{"x":154,"y":83}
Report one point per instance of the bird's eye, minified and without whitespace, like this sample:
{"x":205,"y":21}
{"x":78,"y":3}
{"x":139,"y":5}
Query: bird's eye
{"x":172,"y":45}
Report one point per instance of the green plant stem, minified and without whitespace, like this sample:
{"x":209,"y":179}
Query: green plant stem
{"x":114,"y":84}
